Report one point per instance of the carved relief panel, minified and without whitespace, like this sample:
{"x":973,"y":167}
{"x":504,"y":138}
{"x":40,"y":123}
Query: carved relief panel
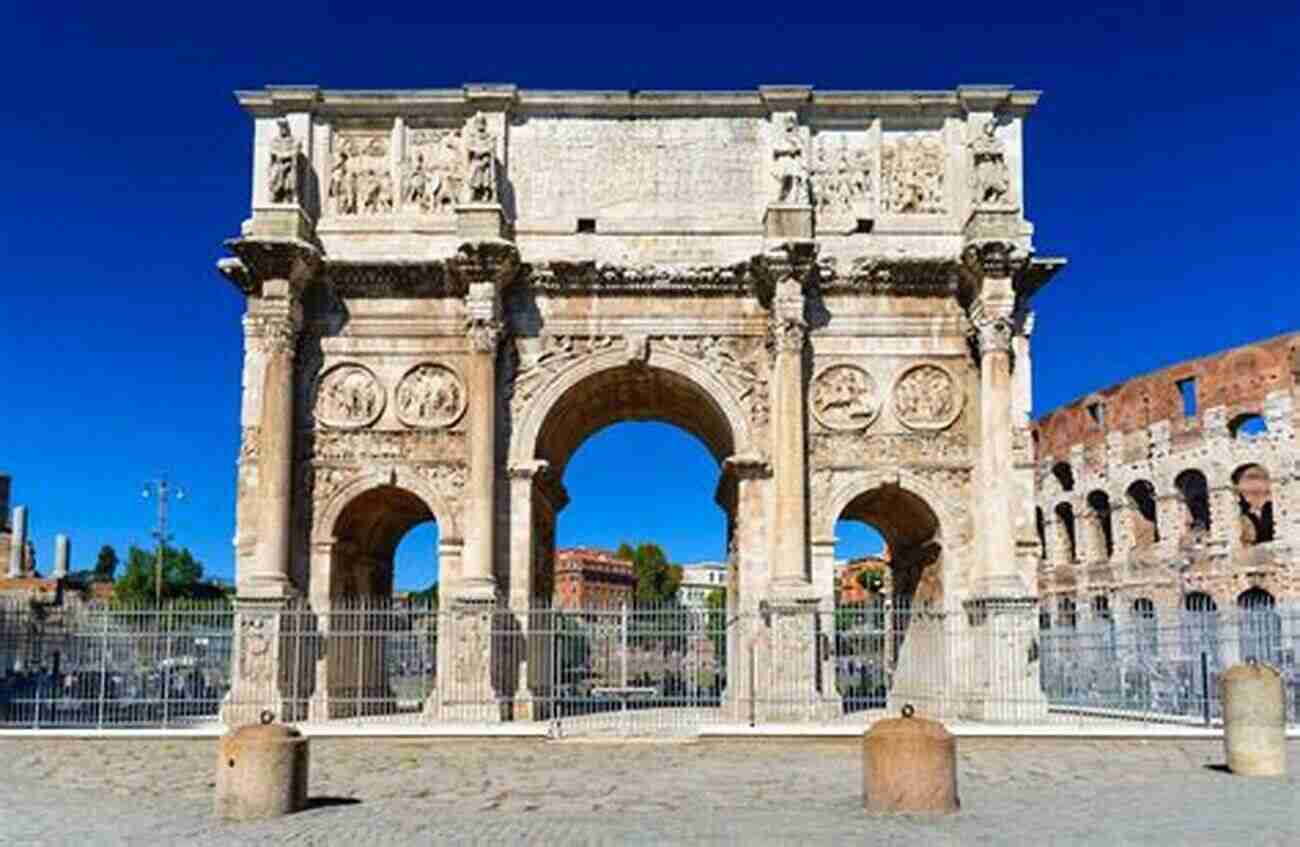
{"x":927,"y":397}
{"x":430,"y":396}
{"x":433,"y":171}
{"x":914,"y":173}
{"x":348,"y":396}
{"x":361,"y":177}
{"x":844,"y":397}
{"x":844,"y":175}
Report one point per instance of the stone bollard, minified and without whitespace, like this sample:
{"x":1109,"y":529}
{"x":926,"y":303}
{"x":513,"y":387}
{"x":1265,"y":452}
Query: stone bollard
{"x":1254,"y":720}
{"x":909,"y":764}
{"x":261,"y":771}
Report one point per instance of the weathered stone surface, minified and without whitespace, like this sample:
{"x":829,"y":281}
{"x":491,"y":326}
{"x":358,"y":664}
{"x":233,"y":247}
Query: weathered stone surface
{"x":909,"y":764}
{"x":455,"y":289}
{"x":262,"y":772}
{"x":1254,"y":720}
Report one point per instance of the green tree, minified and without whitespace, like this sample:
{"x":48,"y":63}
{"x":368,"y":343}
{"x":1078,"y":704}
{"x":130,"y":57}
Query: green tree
{"x":656,"y":580}
{"x":182,"y":577}
{"x":106,"y":564}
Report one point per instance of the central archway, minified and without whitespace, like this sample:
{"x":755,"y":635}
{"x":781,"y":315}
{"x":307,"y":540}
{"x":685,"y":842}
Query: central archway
{"x":594,"y":395}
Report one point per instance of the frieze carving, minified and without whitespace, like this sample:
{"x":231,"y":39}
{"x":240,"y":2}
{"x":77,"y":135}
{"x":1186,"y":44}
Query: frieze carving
{"x":361,"y":446}
{"x":282,"y":174}
{"x":480,"y":149}
{"x":447,"y":479}
{"x":841,"y":178}
{"x":564,"y":277}
{"x":555,"y":354}
{"x":927,"y":397}
{"x":393,"y":279}
{"x":847,"y":449}
{"x":789,"y":166}
{"x":741,"y":362}
{"x":348,"y":397}
{"x":989,"y":176}
{"x":430,"y":396}
{"x":912,"y":175}
{"x":433,"y":172}
{"x":844,"y":397}
{"x":361,"y":178}
{"x":901,"y":277}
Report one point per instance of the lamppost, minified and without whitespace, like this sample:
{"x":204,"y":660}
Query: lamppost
{"x":161,"y":490}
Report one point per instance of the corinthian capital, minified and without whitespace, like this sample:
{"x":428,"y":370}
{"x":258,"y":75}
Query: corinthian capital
{"x":787,"y":333}
{"x":992,"y":328}
{"x":271,"y":334}
{"x":484,"y":333}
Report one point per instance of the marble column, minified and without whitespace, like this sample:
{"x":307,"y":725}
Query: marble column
{"x":789,"y":532}
{"x":992,"y":320}
{"x":483,"y":332}
{"x":61,"y":550}
{"x":272,"y":329}
{"x":18,"y":542}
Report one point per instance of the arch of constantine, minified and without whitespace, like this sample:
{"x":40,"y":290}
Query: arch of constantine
{"x":448,"y":291}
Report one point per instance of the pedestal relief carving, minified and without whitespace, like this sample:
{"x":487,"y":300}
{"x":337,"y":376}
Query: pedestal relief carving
{"x":927,"y":397}
{"x":348,"y":397}
{"x":912,"y":171}
{"x":282,"y":174}
{"x":844,"y":397}
{"x":430,"y":396}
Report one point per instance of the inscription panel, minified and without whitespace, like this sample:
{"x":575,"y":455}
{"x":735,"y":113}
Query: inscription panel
{"x":654,"y":173}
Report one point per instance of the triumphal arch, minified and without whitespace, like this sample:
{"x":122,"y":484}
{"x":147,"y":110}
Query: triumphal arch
{"x":449,"y":290}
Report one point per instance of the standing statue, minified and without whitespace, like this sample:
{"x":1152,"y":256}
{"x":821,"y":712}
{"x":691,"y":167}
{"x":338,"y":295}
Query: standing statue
{"x":481,"y":150}
{"x":343,"y":185}
{"x":282,"y":176}
{"x":415,"y":189}
{"x":990,"y":177}
{"x":788,"y":166}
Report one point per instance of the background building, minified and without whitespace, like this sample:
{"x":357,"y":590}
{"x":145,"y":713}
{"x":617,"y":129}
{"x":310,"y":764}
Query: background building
{"x":586,"y":577}
{"x":699,"y":580}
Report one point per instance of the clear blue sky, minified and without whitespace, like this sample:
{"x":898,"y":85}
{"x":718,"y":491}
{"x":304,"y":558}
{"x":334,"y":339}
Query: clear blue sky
{"x":1162,"y":161}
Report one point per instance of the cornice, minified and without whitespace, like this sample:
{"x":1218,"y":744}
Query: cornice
{"x":258,"y":260}
{"x":273,"y":100}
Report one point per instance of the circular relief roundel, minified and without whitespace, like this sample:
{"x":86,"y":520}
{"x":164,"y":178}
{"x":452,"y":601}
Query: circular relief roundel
{"x":844,"y":397}
{"x":430,"y":396}
{"x":927,"y":397}
{"x":348,"y":397}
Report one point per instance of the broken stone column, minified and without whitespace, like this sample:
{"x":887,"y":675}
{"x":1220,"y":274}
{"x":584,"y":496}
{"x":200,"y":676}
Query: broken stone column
{"x":1254,"y":720}
{"x":61,"y":547}
{"x":18,"y":542}
{"x":909,"y":764}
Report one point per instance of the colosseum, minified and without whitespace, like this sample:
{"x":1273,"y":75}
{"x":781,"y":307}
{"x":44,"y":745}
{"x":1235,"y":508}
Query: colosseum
{"x":1173,"y":499}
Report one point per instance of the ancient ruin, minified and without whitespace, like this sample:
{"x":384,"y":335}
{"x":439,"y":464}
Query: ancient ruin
{"x":449,"y":290}
{"x":1174,"y":492}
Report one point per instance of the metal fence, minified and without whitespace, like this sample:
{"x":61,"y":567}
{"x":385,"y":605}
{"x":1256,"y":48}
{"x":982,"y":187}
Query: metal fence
{"x":615,"y":670}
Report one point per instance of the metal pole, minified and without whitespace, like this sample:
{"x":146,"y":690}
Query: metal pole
{"x":1205,"y":686}
{"x":162,"y":536}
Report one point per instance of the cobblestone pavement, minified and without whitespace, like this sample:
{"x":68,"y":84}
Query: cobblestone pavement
{"x":369,"y":792}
